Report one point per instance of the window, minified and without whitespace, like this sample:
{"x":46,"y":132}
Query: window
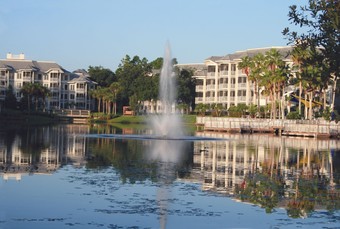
{"x":80,"y":95}
{"x":241,"y":93}
{"x":65,"y":87}
{"x":211,"y":68}
{"x":19,"y":75}
{"x":2,"y":73}
{"x":72,"y":87}
{"x":72,"y":96}
{"x":46,"y":77}
{"x":224,"y":67}
{"x":27,"y":74}
{"x":80,"y":85}
{"x":242,"y":79}
{"x":54,"y":85}
{"x":54,"y":75}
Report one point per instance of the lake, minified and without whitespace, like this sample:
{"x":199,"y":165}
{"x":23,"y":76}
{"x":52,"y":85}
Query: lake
{"x":81,"y":176}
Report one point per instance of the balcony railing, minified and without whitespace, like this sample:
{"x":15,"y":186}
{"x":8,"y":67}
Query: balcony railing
{"x":199,"y":88}
{"x":198,"y":99}
{"x":242,"y":85}
{"x":223,"y":86}
{"x":211,"y":87}
{"x":211,"y":75}
{"x":224,"y":73}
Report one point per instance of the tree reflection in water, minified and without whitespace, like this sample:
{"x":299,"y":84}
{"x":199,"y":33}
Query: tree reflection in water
{"x":300,"y":175}
{"x":275,"y":173}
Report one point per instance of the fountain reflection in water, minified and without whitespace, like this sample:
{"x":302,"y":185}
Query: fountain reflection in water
{"x":166,"y":125}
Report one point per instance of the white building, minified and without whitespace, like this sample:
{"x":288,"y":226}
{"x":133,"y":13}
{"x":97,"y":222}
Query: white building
{"x":68,"y":90}
{"x":220,"y":81}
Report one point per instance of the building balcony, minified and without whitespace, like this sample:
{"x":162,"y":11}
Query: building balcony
{"x":211,"y":87}
{"x":210,"y":99}
{"x":223,"y":86}
{"x":199,"y":88}
{"x":198,"y":100}
{"x":242,"y":85}
{"x":224,"y":73}
{"x":242,"y":99}
{"x":223,"y":99}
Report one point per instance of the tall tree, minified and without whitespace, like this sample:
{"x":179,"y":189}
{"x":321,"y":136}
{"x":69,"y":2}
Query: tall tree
{"x":28,"y":90}
{"x":186,"y":88}
{"x":103,"y":76}
{"x":129,"y":70}
{"x":246,"y":65}
{"x":10,"y":99}
{"x":321,"y":23}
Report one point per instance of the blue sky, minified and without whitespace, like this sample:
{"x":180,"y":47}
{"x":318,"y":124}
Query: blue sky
{"x":80,"y":33}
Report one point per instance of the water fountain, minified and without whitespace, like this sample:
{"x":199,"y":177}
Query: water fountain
{"x":167,"y":124}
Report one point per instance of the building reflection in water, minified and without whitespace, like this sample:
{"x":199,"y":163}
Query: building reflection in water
{"x":294,"y":173}
{"x":41,"y":150}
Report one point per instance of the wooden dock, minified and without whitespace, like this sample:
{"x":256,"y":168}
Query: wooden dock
{"x":305,"y":128}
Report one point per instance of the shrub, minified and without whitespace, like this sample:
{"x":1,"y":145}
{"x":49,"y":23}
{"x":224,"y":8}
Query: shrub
{"x":293,"y":115}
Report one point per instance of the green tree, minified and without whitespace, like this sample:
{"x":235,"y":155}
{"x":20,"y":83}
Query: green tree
{"x":128,"y":71}
{"x":10,"y":99}
{"x":246,"y":65}
{"x":157,"y":64}
{"x":321,"y":23}
{"x":28,"y":90}
{"x":103,"y":76}
{"x":201,"y":109}
{"x":275,"y":77}
{"x":186,"y":88}
{"x":115,"y":89}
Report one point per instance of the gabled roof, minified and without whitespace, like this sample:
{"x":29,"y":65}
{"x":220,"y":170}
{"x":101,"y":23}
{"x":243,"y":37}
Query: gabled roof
{"x":80,"y":79}
{"x":284,"y":51}
{"x":45,"y":66}
{"x":18,"y":65}
{"x":32,"y":65}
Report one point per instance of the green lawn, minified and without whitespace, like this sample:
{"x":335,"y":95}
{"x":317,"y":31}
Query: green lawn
{"x":187,"y":119}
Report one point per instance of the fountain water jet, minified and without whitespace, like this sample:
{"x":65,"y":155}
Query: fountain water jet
{"x":167,"y":124}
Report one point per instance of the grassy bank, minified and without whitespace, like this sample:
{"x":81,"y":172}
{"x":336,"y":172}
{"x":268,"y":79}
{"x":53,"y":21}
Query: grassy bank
{"x":186,"y":119}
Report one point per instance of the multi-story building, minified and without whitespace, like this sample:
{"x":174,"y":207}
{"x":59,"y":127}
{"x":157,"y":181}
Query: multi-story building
{"x":219,"y":80}
{"x":68,"y":89}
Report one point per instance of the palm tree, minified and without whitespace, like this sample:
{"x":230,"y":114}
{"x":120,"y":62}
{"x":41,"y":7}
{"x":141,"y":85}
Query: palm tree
{"x":115,"y":88}
{"x":28,"y":90}
{"x":256,"y":75}
{"x":277,"y":76}
{"x":246,"y":65}
{"x":44,"y":92}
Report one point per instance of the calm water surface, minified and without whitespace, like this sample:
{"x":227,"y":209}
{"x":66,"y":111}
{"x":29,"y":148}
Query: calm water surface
{"x":58,"y":177}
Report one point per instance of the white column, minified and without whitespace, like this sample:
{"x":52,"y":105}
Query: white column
{"x":216,"y":84}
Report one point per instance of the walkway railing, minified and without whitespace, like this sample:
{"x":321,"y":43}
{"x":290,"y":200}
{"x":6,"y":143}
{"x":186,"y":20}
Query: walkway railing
{"x":313,"y":128}
{"x":72,"y":113}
